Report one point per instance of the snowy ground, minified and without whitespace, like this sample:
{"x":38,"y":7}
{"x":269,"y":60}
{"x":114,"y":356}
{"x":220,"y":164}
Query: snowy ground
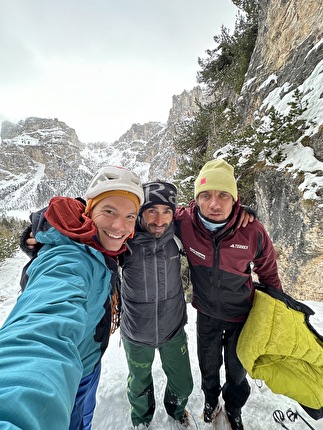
{"x":113,"y":411}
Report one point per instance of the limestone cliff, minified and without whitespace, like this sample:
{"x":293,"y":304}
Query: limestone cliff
{"x":289,"y":50}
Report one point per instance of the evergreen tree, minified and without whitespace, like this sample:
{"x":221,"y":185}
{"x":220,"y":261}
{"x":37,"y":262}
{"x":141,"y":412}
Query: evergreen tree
{"x":228,"y":62}
{"x":198,"y":138}
{"x":192,"y":143}
{"x":10,"y":231}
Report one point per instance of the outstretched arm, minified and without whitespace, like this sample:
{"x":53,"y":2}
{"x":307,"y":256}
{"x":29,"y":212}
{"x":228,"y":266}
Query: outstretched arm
{"x":40,"y":360}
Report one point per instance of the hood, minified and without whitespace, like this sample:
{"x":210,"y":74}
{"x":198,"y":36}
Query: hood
{"x":68,"y":217}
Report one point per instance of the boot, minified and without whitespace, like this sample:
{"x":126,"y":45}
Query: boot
{"x":235,"y":421}
{"x":209,"y":413}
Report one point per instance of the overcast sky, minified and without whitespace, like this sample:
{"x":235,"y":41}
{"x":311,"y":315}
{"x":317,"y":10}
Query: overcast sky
{"x":102,"y":65}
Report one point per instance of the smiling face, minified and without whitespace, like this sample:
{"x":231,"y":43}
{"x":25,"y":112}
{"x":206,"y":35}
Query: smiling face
{"x":215,"y":205}
{"x":157,"y":219}
{"x":114,"y":218}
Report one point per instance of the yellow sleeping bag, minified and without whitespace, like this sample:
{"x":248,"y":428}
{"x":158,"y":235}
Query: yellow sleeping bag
{"x":278,"y":345}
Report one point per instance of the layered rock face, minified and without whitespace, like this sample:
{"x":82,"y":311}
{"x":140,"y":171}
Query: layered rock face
{"x":289,"y":44}
{"x":288,"y":51}
{"x":295,"y":226}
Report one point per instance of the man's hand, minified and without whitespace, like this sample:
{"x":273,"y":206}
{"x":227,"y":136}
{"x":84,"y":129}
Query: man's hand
{"x":28,"y":244}
{"x":245,"y":218}
{"x":31,"y":242}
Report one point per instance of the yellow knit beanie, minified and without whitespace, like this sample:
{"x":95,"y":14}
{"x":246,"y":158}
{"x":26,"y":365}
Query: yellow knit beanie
{"x":216,"y":175}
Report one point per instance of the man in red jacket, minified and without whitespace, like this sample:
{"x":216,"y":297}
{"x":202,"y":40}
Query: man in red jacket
{"x":221,"y":257}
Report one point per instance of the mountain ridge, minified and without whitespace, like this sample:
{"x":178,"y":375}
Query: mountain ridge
{"x":43,"y":157}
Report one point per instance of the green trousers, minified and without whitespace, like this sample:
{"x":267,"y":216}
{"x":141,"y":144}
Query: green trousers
{"x":176,"y":365}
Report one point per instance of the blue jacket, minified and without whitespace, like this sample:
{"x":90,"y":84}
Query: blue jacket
{"x":50,"y":339}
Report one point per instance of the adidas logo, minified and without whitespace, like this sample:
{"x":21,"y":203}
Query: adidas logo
{"x":237,"y":246}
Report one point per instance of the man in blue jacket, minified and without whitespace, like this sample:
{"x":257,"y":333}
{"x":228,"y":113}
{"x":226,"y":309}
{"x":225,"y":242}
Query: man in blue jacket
{"x":52,"y":342}
{"x":154,"y":309}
